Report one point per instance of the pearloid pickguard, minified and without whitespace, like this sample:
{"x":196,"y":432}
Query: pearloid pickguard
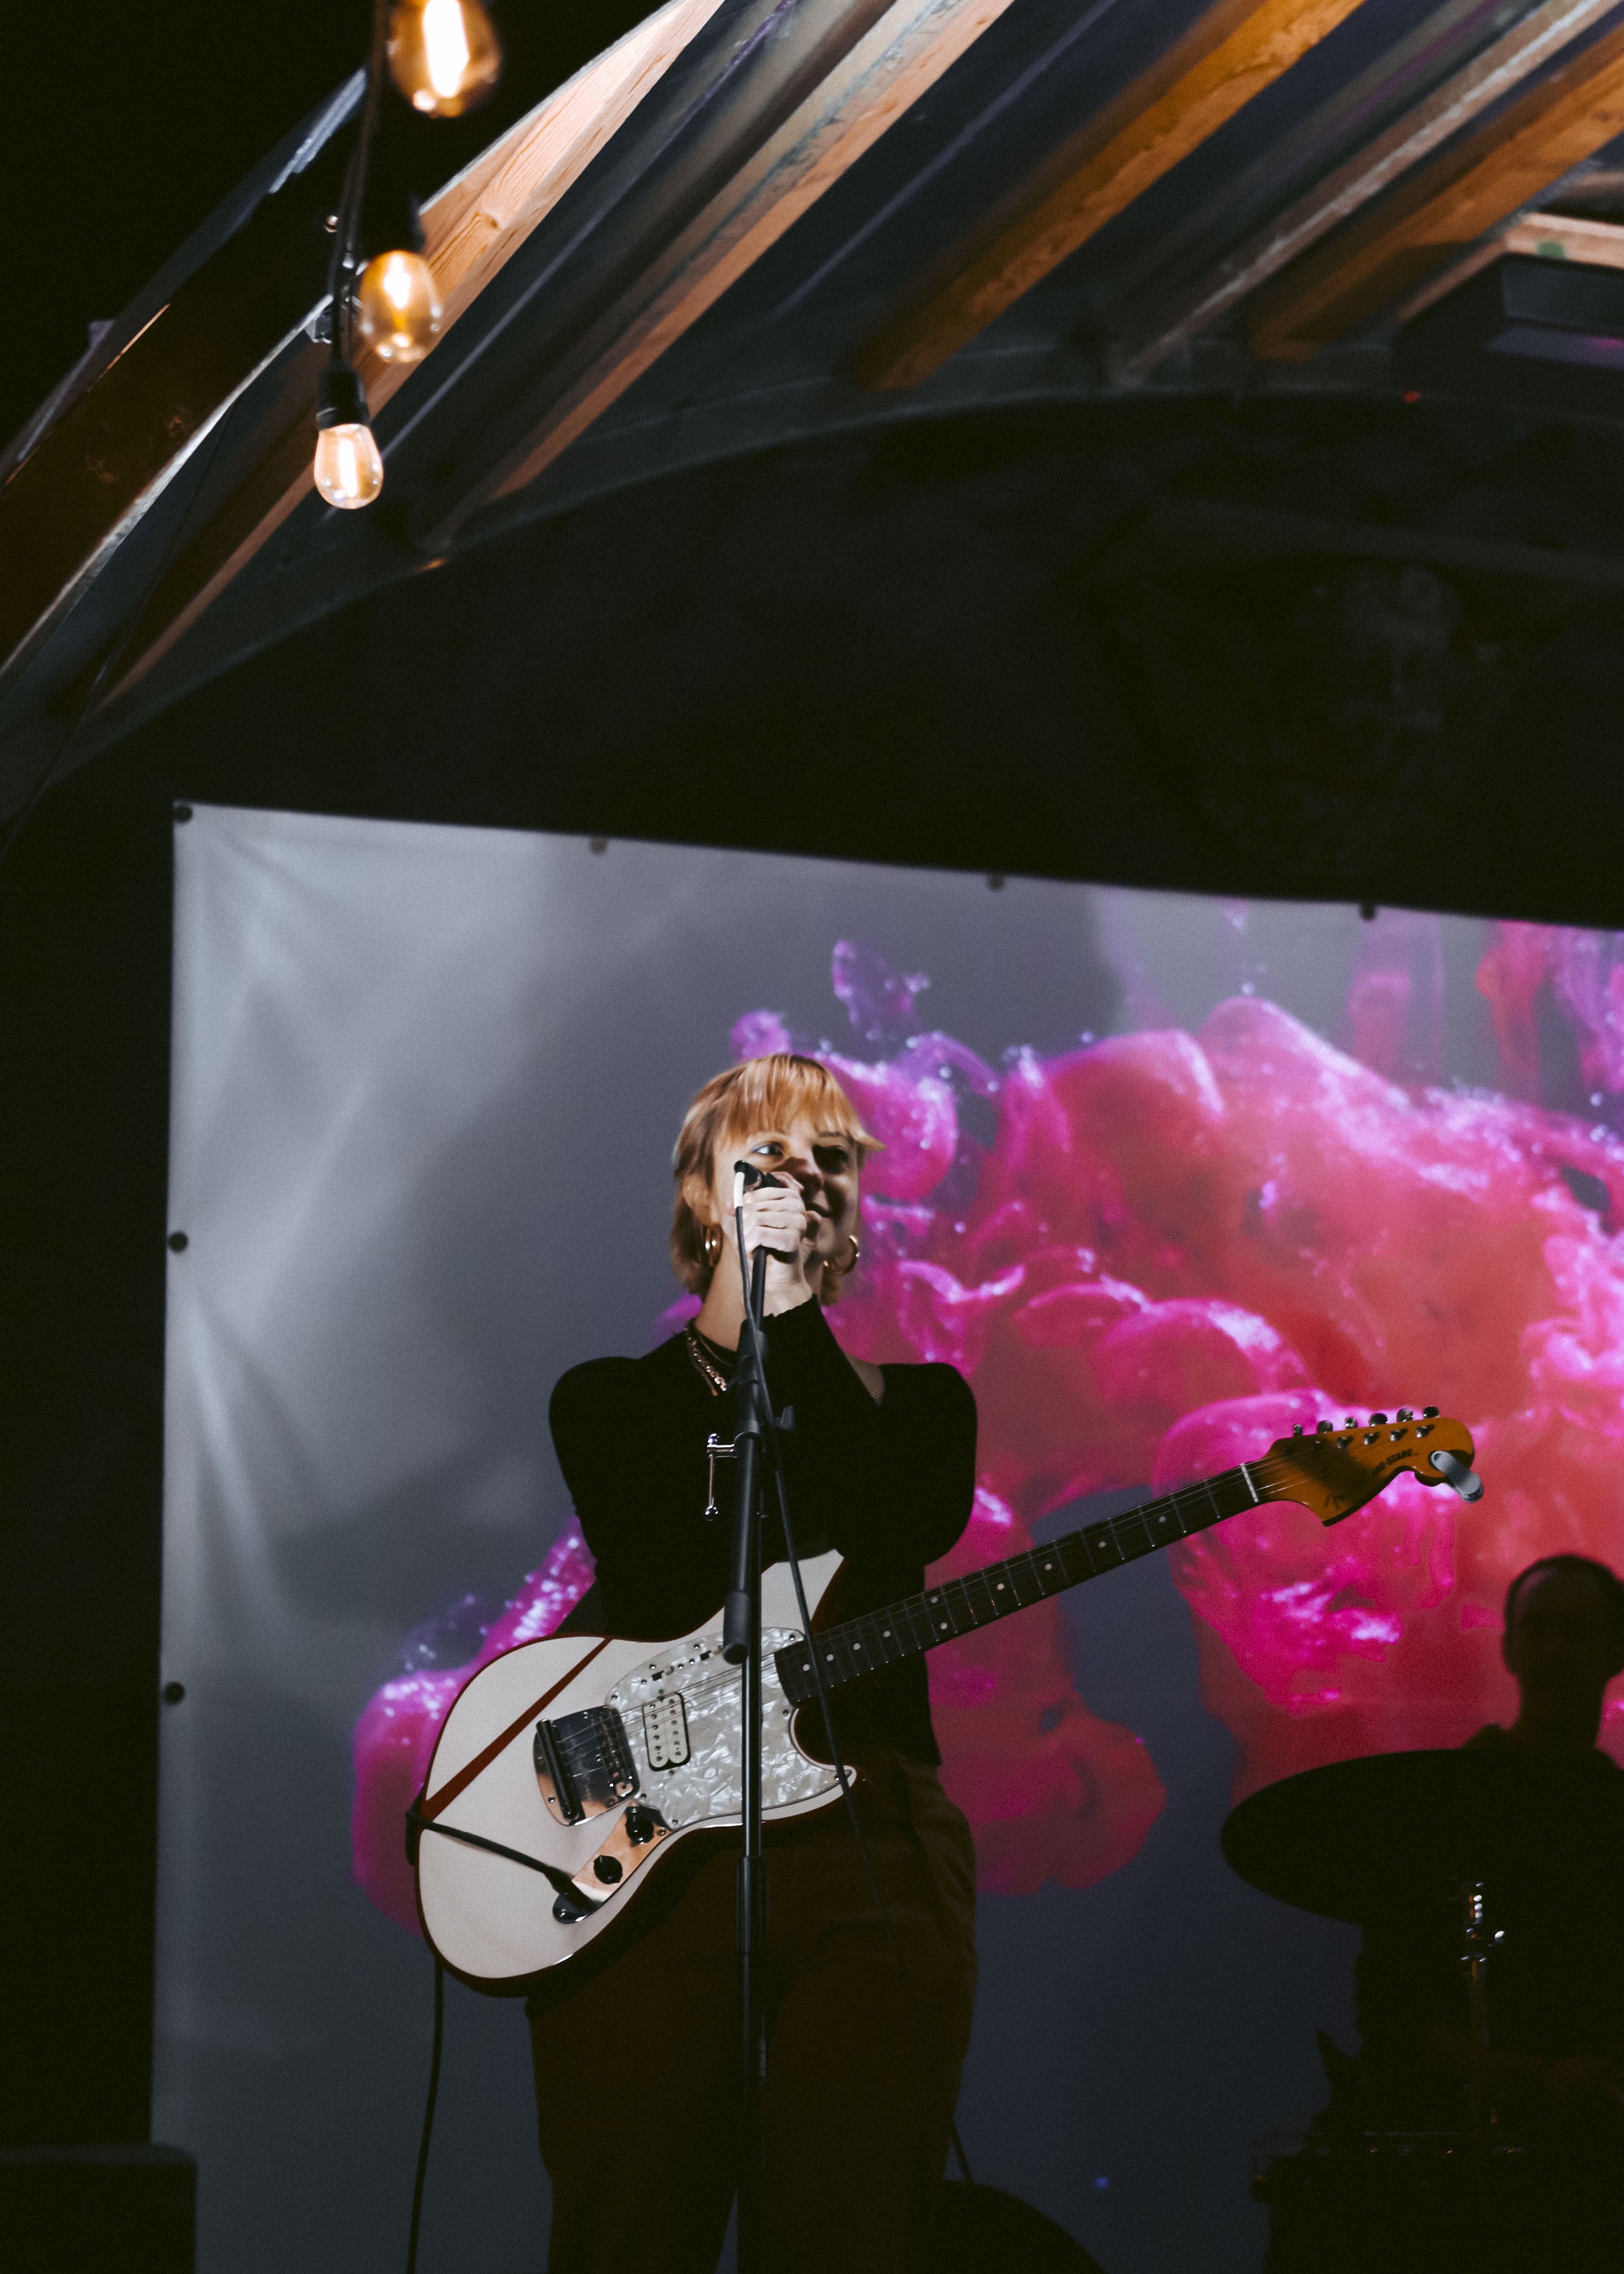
{"x":708,"y":1783}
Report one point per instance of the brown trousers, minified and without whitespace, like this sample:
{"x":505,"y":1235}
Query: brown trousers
{"x":638,"y":2062}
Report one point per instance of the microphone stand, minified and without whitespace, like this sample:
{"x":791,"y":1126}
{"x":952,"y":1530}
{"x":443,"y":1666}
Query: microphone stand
{"x":741,"y":1647}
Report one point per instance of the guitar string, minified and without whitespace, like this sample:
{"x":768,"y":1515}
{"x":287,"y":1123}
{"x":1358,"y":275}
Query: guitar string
{"x":910,"y":1608}
{"x":848,"y":1640}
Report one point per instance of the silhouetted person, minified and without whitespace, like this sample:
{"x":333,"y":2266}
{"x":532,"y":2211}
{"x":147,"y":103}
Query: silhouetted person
{"x":1544,"y":1811}
{"x":1556,"y":1985}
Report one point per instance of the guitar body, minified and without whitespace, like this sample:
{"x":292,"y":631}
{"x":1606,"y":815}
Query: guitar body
{"x":566,"y":1769}
{"x":676,"y":1706}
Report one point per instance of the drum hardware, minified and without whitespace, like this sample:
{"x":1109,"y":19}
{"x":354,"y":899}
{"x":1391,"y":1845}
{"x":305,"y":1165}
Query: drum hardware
{"x":1478,"y":1943}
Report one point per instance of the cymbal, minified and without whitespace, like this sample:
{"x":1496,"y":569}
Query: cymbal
{"x":1358,"y":1839}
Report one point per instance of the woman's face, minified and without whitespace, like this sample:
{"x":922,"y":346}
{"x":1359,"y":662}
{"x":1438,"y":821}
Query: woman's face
{"x":823,"y":1162}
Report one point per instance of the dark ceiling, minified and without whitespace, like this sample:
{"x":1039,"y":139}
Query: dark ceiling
{"x":1222,"y":615}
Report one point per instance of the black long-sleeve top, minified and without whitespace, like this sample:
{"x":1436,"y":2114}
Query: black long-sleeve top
{"x":888,"y":1484}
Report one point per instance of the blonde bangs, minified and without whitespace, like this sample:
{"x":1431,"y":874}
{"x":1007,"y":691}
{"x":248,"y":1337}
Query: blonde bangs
{"x":774,"y":1093}
{"x":767,"y":1092}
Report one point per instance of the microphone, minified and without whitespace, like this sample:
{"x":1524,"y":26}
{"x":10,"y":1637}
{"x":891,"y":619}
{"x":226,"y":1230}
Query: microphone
{"x":746,"y":1178}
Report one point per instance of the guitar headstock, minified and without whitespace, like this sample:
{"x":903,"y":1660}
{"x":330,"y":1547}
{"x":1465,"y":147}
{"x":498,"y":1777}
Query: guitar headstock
{"x":1332,"y":1470}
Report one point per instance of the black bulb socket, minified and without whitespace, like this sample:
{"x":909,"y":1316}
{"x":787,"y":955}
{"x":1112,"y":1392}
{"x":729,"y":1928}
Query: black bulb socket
{"x":340,"y":399}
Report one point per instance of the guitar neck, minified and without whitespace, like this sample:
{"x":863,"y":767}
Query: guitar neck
{"x":957,"y":1607}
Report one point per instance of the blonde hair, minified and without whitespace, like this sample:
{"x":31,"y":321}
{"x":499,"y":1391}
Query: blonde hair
{"x":759,"y":1093}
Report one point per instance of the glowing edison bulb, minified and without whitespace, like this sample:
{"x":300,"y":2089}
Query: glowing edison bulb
{"x":349,"y":468}
{"x":444,"y":54}
{"x":397,"y":307}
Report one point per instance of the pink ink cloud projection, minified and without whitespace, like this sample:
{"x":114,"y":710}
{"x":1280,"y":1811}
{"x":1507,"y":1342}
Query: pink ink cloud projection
{"x":1175,"y":1247}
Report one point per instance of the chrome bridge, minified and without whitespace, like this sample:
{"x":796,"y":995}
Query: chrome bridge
{"x":584,"y":1764}
{"x":664,"y":1751}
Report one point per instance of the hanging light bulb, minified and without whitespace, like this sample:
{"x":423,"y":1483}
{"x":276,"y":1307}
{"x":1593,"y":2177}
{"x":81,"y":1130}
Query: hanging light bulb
{"x":397,"y":307}
{"x":444,"y":54}
{"x":349,"y":469}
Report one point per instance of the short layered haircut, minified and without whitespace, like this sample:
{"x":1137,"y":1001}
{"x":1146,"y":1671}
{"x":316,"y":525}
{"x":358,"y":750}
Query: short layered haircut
{"x":769,"y":1093}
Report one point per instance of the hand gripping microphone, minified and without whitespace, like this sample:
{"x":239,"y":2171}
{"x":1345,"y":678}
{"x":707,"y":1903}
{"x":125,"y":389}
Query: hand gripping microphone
{"x":746,"y":1178}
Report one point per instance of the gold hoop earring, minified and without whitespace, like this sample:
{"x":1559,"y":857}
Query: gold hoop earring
{"x":847,"y":1269}
{"x":710,"y":1245}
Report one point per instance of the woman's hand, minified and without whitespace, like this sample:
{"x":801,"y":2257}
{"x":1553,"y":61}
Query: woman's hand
{"x":775,"y":1217}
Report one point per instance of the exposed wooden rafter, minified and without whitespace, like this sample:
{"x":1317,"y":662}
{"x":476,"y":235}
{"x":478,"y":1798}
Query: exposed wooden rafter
{"x":1236,"y":48}
{"x":896,"y":63}
{"x":1429,"y":221}
{"x":1165,"y":323}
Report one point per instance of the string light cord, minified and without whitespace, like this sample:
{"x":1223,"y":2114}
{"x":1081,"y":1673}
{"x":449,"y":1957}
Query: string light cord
{"x":341,"y":269}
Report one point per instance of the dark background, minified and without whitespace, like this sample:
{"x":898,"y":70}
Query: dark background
{"x":721,"y":659}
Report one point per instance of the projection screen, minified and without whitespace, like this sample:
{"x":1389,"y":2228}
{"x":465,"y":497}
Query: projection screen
{"x":1164,"y":1176}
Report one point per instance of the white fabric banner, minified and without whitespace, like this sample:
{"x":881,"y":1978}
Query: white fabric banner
{"x":425,"y":1082}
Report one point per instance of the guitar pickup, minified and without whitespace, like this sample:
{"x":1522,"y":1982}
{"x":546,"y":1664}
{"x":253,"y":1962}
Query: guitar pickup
{"x":664,"y":1731}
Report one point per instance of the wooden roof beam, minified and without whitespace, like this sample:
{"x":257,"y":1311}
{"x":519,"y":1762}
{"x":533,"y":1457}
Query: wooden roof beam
{"x":1236,"y":48}
{"x":896,"y":63}
{"x":1430,"y":220}
{"x":1165,"y":322}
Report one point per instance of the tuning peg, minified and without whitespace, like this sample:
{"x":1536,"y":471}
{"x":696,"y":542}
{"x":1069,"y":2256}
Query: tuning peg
{"x":1456,"y":1475}
{"x":1375,"y":1417}
{"x":1297,"y":1428}
{"x":1351,"y":1423}
{"x":1429,"y":1413}
{"x":1403,"y":1414}
{"x":1323,"y":1428}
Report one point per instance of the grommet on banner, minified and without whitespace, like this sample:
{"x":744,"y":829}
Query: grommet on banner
{"x":174,"y":1692}
{"x":182,"y":812}
{"x":178,"y":1242}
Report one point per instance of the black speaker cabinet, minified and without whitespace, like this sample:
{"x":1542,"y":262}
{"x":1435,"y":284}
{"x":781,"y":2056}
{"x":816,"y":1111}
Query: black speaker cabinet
{"x":96,"y":2211}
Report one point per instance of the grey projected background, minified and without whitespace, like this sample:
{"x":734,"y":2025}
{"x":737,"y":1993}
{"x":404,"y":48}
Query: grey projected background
{"x":425,"y":1082}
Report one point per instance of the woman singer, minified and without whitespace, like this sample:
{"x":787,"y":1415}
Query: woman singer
{"x":638,"y":2057}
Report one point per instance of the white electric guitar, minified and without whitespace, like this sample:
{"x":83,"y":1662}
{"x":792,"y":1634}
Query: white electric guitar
{"x":567,"y":1768}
